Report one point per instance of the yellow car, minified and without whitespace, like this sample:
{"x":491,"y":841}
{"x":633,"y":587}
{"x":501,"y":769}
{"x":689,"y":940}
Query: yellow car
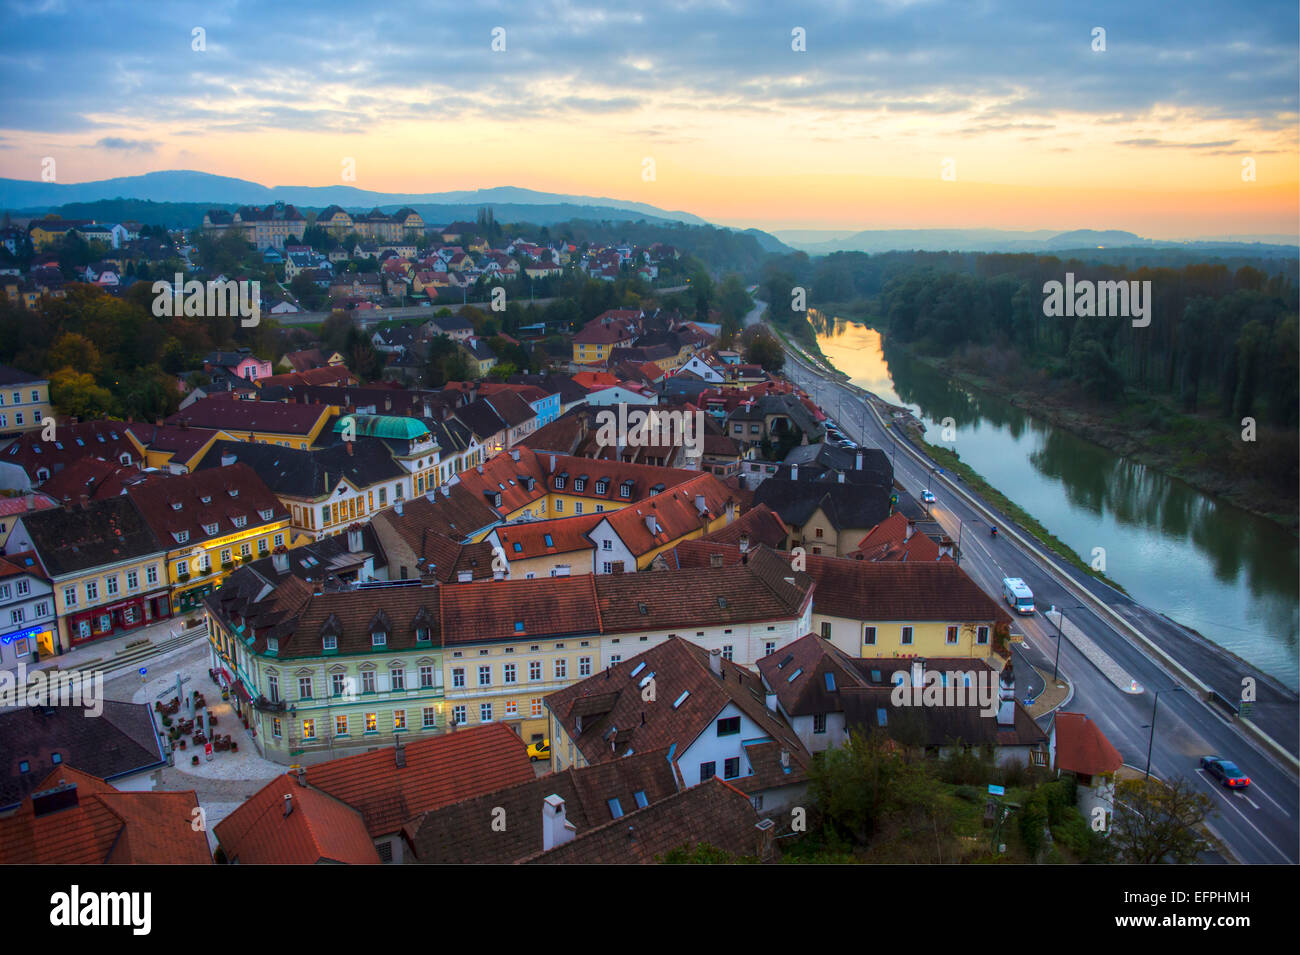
{"x":539,"y":750}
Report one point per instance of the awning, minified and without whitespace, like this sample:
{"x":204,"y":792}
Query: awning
{"x":223,"y":676}
{"x":242,"y":692}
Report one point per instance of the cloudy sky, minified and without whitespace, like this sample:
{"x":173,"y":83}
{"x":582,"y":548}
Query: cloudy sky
{"x":1033,"y":126}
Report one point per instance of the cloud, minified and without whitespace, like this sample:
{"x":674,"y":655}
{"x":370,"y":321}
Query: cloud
{"x":1164,"y":144}
{"x":128,"y":145}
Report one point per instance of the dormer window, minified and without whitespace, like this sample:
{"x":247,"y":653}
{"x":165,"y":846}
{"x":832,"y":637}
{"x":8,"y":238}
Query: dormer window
{"x":559,"y":483}
{"x":206,"y":499}
{"x":421,"y":634}
{"x":579,"y":483}
{"x":601,"y":487}
{"x":272,"y":645}
{"x":181,"y":536}
{"x":176,"y":505}
{"x":234,"y":492}
{"x":378,"y":638}
{"x":209,"y":529}
{"x":330,"y":642}
{"x":265,"y":514}
{"x":240,"y":521}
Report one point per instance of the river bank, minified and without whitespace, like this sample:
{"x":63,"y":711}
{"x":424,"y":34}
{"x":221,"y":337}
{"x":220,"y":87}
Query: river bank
{"x":1205,"y":453}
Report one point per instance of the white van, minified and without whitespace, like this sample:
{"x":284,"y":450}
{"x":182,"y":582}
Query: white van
{"x":1018,"y":594}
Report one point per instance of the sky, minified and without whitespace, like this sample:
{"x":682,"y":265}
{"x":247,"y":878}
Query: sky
{"x":895,"y":114}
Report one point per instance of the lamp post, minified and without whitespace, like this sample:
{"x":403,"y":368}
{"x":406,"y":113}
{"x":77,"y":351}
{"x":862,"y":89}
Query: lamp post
{"x":1152,"y":737}
{"x":1060,"y":621}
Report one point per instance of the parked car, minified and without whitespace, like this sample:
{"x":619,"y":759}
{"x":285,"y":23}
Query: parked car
{"x":1225,"y":771}
{"x":539,"y":750}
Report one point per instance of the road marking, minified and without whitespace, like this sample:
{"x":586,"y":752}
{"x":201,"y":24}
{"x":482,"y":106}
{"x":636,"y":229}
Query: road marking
{"x":1285,"y":811}
{"x":1244,"y":817}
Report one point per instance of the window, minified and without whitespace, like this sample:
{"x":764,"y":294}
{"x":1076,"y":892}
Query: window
{"x":273,"y":687}
{"x":982,"y":635}
{"x":485,"y":676}
{"x":225,"y":556}
{"x":458,"y":715}
{"x":731,"y":768}
{"x":485,"y":712}
{"x":69,"y":596}
{"x":275,"y":727}
{"x":308,"y":729}
{"x":729,"y":726}
{"x":641,"y":801}
{"x":330,"y":642}
{"x":869,"y":636}
{"x":561,"y":668}
{"x":92,"y":586}
{"x":826,"y":630}
{"x":708,"y":770}
{"x":367,"y":681}
{"x":16,"y":616}
{"x":508,"y":673}
{"x":606,"y":544}
{"x":5,"y":593}
{"x":535,"y":707}
{"x":338,"y":683}
{"x":244,"y":549}
{"x":577,"y":507}
{"x":907,"y":636}
{"x":340,"y":726}
{"x":769,"y":647}
{"x":132,"y":579}
{"x":584,"y":666}
{"x":151,"y":574}
{"x":615,"y":807}
{"x":398,"y":677}
{"x":372,"y":722}
{"x":304,"y":688}
{"x":458,"y":677}
{"x":278,"y":540}
{"x":399,"y":719}
{"x":952,"y":635}
{"x":426,"y":677}
{"x":430,"y":718}
{"x":379,"y":638}
{"x":819,"y":722}
{"x":42,"y":609}
{"x":181,"y":536}
{"x":22,"y":588}
{"x":534,"y":669}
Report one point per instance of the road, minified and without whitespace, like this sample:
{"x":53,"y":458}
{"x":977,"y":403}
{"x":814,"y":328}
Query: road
{"x":1258,"y":825}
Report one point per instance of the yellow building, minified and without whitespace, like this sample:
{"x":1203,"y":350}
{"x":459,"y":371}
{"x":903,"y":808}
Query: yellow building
{"x":24,"y":401}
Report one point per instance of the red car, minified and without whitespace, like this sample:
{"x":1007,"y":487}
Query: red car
{"x":1225,"y":771}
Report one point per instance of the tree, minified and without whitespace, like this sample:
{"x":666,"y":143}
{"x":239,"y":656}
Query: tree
{"x":75,"y":393}
{"x":858,"y":785}
{"x":763,"y":348}
{"x":1155,"y":822}
{"x":71,"y":350}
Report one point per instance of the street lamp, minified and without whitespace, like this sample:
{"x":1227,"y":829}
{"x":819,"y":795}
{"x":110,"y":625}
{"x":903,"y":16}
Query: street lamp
{"x":1151,"y":739}
{"x":1060,"y":620}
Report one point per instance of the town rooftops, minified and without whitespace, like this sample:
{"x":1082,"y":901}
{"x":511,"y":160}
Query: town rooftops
{"x":75,"y":818}
{"x":268,"y":417}
{"x":73,"y":539}
{"x":285,"y":823}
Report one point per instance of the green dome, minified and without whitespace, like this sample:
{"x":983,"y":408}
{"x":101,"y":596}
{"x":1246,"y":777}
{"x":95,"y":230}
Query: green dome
{"x":393,"y":427}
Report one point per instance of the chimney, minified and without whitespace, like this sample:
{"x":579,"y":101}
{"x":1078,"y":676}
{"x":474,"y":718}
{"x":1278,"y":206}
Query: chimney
{"x":30,"y":500}
{"x":556,"y":830}
{"x":699,"y":503}
{"x":514,"y":455}
{"x":715,"y":663}
{"x":945,"y":546}
{"x":794,"y":472}
{"x":859,"y":460}
{"x":650,"y":523}
{"x":348,"y":445}
{"x":280,"y":561}
{"x":301,"y":773}
{"x":911,"y":529}
{"x":227,"y":459}
{"x":771,"y":702}
{"x":399,"y":755}
{"x":766,"y":841}
{"x":918,"y":672}
{"x":839,"y":476}
{"x":85,"y":502}
{"x":354,"y":538}
{"x":785,"y":759}
{"x":398,"y":508}
{"x":62,"y":796}
{"x":288,"y":804}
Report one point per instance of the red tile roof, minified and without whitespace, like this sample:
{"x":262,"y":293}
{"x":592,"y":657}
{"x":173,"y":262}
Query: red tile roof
{"x":104,"y":826}
{"x":1083,"y":748}
{"x":318,"y":828}
{"x":528,"y":540}
{"x":439,"y":770}
{"x":239,"y":416}
{"x":889,"y":540}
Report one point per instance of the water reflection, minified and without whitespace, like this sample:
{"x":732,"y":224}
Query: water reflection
{"x":1212,"y":566}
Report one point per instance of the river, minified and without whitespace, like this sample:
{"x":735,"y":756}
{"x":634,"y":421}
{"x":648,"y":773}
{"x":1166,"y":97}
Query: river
{"x":1211,"y":566}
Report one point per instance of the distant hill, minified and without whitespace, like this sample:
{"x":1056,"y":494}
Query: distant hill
{"x":1002,"y":240}
{"x":187,"y":187}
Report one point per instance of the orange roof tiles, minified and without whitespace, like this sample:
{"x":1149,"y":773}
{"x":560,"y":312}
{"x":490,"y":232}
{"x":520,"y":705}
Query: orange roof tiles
{"x":1083,"y":748}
